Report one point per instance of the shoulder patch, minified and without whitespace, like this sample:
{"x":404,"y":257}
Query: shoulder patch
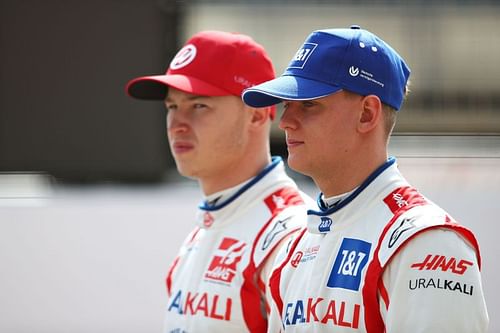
{"x":407,"y":225}
{"x":288,"y":221}
{"x":283,"y":198}
{"x":402,"y":197}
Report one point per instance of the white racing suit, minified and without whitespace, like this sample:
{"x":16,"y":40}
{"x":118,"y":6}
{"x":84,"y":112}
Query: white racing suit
{"x":385,"y":259}
{"x":217,"y":282}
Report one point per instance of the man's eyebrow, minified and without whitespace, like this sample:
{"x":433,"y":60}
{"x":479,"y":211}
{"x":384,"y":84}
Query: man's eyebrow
{"x":190,"y":98}
{"x":195,"y":97}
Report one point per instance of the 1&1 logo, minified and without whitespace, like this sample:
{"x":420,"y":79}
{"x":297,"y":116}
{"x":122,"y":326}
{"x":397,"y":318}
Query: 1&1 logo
{"x":302,"y":55}
{"x":349,"y":263}
{"x":325,"y":224}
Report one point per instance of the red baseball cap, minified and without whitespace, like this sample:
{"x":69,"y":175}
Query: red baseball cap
{"x":211,"y":63}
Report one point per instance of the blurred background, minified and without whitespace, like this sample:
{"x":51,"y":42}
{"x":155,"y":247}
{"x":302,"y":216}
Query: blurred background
{"x":92,"y":210}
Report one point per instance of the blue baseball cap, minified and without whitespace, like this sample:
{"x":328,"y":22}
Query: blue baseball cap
{"x":330,"y":60}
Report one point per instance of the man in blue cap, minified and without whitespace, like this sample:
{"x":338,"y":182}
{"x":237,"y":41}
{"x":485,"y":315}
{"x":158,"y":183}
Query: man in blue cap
{"x":376,"y":256}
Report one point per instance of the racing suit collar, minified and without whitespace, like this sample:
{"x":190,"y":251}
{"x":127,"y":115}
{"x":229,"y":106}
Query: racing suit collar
{"x":205,"y":205}
{"x":325,"y":203}
{"x":243,"y":196}
{"x":221,"y":196}
{"x":322,"y":220}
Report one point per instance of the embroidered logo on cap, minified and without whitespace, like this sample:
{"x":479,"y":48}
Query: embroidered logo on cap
{"x":353,"y":71}
{"x":302,"y":55}
{"x":184,"y":57}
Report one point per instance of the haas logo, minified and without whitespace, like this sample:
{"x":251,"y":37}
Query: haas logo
{"x":439,"y":262}
{"x":296,"y":258}
{"x":223,"y":266}
{"x":183,"y":57}
{"x":353,"y":71}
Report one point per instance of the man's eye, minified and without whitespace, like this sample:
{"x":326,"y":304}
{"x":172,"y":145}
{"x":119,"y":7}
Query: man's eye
{"x":199,"y":106}
{"x":308,"y":104}
{"x":171,"y":107}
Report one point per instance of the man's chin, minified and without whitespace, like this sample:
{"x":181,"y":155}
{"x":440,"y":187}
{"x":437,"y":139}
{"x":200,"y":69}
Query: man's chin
{"x":296,"y":164}
{"x":185,"y":169}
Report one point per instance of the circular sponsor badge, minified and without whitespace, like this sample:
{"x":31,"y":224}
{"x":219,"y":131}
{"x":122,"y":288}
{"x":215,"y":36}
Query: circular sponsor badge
{"x":184,"y":57}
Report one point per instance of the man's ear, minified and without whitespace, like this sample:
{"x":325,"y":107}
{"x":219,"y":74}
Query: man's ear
{"x":371,"y":113}
{"x":260,"y":116}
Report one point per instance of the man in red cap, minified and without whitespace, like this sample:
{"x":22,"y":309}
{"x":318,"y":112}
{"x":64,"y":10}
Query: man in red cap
{"x":218,"y":281}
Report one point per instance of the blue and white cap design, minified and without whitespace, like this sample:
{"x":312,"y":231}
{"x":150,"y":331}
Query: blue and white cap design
{"x":352,"y":59}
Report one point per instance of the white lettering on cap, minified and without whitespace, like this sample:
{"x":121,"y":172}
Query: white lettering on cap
{"x":302,"y":55}
{"x":184,"y":57}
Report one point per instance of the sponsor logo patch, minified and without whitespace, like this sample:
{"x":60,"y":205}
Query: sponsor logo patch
{"x":203,"y":304}
{"x":405,"y":225}
{"x":278,"y":227}
{"x":327,"y":312}
{"x":369,"y":77}
{"x":402,"y":197}
{"x":353,"y":71}
{"x":223,"y":266}
{"x":296,"y":258}
{"x":308,"y":254}
{"x":302,"y":55}
{"x":443,"y":284}
{"x":184,"y":57}
{"x":434,"y":262}
{"x":325,"y":224}
{"x":349,"y":263}
{"x":243,"y":81}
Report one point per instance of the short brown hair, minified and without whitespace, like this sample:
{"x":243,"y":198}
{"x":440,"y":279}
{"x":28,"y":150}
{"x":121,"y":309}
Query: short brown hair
{"x":390,"y":114}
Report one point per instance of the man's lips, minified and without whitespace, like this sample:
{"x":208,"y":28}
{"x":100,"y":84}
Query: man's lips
{"x":291,"y":143}
{"x":180,"y":147}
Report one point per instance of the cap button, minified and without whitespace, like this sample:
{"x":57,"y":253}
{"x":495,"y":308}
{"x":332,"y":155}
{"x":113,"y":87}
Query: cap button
{"x":355,"y":26}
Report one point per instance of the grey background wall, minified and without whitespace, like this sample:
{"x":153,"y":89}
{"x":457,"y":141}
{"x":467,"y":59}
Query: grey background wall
{"x":63,"y":68}
{"x":64,"y":64}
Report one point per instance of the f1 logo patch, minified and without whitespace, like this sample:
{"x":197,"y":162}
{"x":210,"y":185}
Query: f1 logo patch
{"x":349,"y":263}
{"x":300,"y":58}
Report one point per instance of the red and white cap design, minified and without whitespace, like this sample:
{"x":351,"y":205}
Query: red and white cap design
{"x":211,"y":63}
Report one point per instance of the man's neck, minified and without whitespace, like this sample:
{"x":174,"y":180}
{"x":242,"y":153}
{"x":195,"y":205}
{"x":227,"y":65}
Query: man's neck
{"x":233,"y":175}
{"x":346,"y":177}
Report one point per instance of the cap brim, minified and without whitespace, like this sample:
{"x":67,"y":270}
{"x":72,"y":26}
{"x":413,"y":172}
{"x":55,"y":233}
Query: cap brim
{"x":155,"y":87}
{"x":286,"y":87}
